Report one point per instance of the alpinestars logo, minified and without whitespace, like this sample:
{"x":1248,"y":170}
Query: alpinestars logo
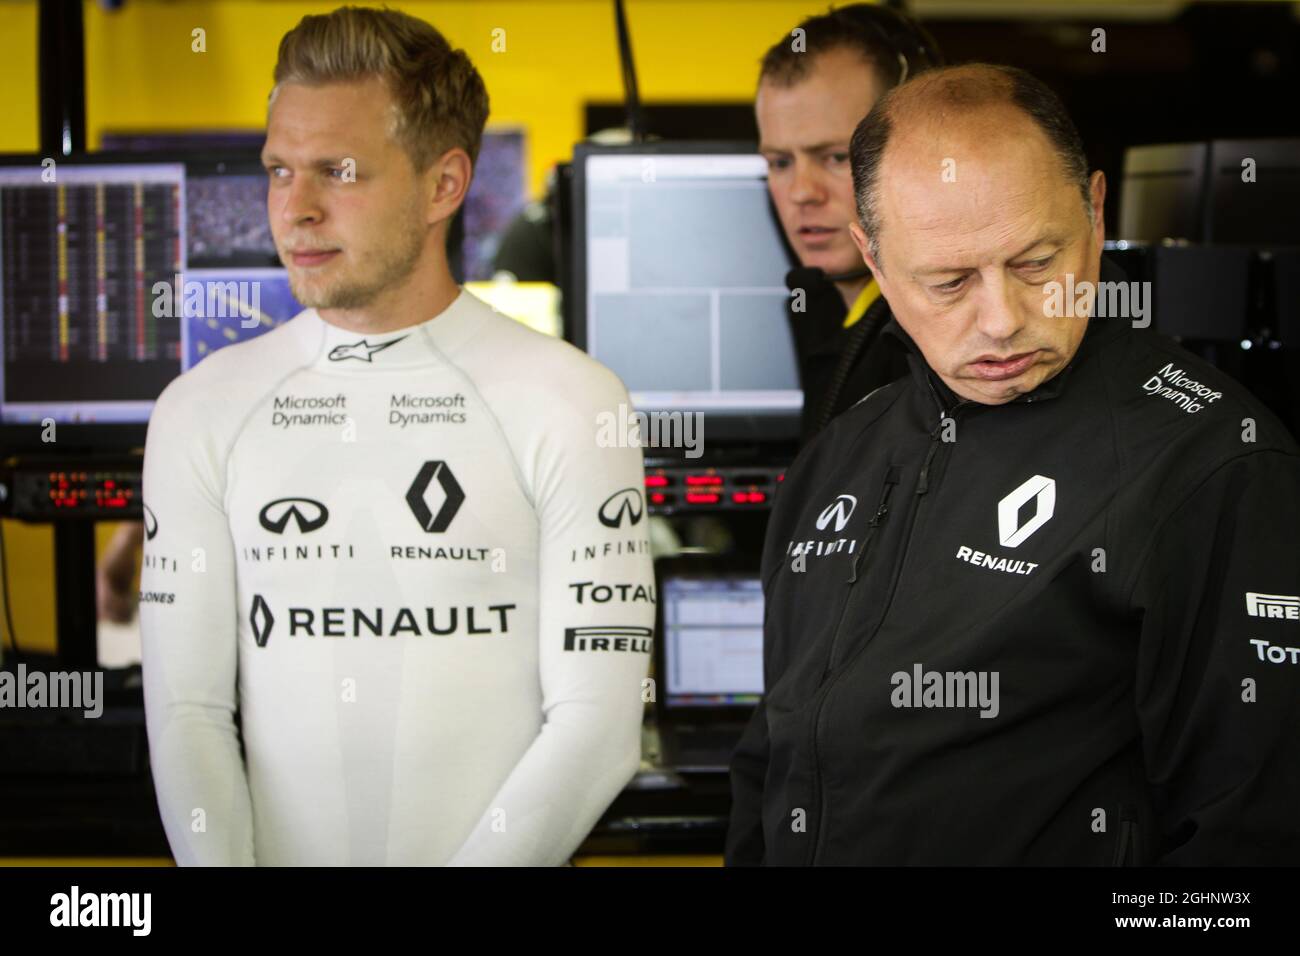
{"x":150,"y":523}
{"x":362,"y":350}
{"x":261,"y":620}
{"x":840,"y":509}
{"x":1040,"y":490}
{"x":435,"y":520}
{"x":621,"y":505}
{"x":306,"y":514}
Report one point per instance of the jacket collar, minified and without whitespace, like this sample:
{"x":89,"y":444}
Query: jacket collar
{"x":1099,"y":331}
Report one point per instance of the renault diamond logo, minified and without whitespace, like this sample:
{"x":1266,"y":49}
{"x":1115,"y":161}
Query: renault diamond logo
{"x":840,"y":509}
{"x":1039,"y":489}
{"x":307,"y":514}
{"x":360,"y":350}
{"x":431,"y":520}
{"x":261,"y":620}
{"x":620,"y":505}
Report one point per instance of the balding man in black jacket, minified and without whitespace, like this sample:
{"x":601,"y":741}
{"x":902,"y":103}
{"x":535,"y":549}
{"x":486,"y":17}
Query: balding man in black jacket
{"x":1038,"y":602}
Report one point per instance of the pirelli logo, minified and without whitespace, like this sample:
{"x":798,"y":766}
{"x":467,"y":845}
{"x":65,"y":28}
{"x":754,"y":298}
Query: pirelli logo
{"x":608,"y":638}
{"x":1285,"y":607}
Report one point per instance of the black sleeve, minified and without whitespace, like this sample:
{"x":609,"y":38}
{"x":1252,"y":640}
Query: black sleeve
{"x":748,"y":769}
{"x":1218,"y":677}
{"x":745,"y":846}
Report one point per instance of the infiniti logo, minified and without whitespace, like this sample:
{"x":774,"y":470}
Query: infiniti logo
{"x":307,"y":514}
{"x":150,"y":523}
{"x":840,"y":509}
{"x":360,"y":350}
{"x":620,"y":505}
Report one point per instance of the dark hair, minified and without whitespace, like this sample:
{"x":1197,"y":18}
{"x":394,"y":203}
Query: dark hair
{"x":962,"y":88}
{"x":896,"y":46}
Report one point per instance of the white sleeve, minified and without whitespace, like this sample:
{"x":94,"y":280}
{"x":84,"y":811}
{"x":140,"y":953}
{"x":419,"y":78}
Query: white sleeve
{"x":589,"y":745}
{"x":188,"y":627}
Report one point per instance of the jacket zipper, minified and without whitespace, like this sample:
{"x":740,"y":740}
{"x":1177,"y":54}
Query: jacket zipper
{"x":922,"y":487}
{"x":1126,"y":839}
{"x":892,"y":477}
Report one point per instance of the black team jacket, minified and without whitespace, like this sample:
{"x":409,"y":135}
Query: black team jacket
{"x":1063,"y":630}
{"x":837,"y":366}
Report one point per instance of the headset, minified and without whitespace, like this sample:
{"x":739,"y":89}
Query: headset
{"x":916,"y":51}
{"x":911,"y":43}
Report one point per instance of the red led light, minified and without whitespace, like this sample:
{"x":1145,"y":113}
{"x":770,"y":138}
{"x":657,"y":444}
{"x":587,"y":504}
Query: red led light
{"x":704,"y":479}
{"x":702,"y":498}
{"x":656,"y":481}
{"x":657,"y":497}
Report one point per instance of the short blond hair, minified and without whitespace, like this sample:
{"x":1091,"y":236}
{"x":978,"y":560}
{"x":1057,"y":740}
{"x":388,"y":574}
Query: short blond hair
{"x":441,"y":101}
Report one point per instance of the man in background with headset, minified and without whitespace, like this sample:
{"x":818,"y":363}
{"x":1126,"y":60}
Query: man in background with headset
{"x":814,"y":86}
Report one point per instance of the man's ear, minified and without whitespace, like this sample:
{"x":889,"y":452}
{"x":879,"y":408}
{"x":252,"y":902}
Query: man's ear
{"x":1097,"y":193}
{"x":451,"y":173}
{"x":864,"y":248}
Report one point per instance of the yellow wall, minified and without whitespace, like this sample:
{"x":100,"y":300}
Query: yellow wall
{"x":559,"y":55}
{"x":18,"y":131}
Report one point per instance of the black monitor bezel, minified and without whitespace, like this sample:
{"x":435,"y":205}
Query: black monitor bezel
{"x":75,"y":437}
{"x":725,"y":426}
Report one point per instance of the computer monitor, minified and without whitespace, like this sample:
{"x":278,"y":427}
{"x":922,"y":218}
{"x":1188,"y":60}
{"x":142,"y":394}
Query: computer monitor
{"x":1254,"y":192}
{"x":711,"y":638}
{"x":226,"y":220}
{"x":1163,"y":193}
{"x":679,"y":268}
{"x":102,"y":302}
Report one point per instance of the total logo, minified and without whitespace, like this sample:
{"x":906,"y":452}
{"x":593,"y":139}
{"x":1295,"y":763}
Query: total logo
{"x":1013,"y":530}
{"x":355,"y":622}
{"x":362,"y":351}
{"x":293,"y":518}
{"x":834,"y":518}
{"x":604,"y":593}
